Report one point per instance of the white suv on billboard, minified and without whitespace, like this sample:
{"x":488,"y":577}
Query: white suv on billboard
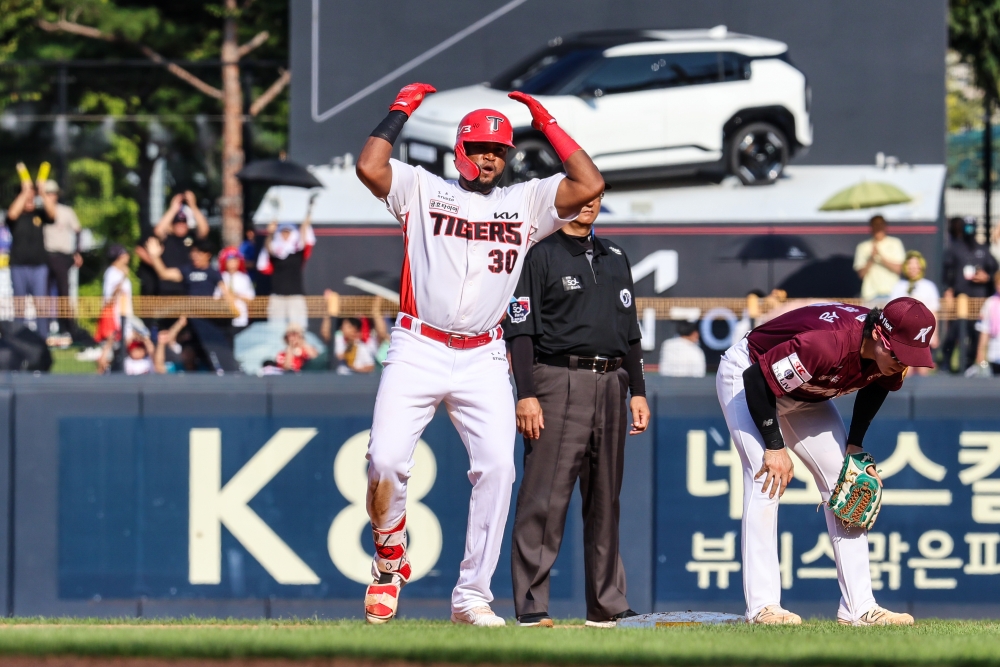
{"x":644,"y":104}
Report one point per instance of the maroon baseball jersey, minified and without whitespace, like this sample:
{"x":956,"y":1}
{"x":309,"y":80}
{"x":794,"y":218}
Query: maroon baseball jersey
{"x":813,"y":353}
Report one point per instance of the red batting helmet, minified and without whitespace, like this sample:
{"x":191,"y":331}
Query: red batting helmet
{"x":480,"y":125}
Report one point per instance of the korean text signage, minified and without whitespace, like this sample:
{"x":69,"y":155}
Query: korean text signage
{"x":260,"y":507}
{"x":936,"y":538}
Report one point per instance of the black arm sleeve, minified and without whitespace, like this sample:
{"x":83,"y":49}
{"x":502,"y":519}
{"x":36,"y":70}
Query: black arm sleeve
{"x":391,"y":126}
{"x":763,"y":405}
{"x":866,"y":406}
{"x":522,"y":358}
{"x":633,"y":366}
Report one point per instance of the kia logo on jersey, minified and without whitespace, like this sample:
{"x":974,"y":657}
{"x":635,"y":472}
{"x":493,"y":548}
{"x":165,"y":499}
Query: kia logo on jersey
{"x":519,"y":308}
{"x":504,"y":215}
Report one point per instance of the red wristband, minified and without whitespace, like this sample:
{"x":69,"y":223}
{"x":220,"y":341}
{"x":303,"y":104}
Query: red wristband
{"x":561,"y":142}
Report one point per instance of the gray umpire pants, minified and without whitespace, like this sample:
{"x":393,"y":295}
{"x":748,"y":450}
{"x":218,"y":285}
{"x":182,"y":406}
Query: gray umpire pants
{"x":584,"y":437}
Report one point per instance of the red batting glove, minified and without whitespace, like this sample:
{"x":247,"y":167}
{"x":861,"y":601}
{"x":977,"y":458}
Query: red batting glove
{"x":411,"y":96}
{"x":543,"y":121}
{"x":540,"y":117}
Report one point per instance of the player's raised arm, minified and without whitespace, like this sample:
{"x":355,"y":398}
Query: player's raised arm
{"x":373,"y":164}
{"x":583,"y":182}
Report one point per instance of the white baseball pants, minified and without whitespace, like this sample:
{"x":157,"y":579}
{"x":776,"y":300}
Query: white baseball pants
{"x":815,"y":433}
{"x":475,"y":386}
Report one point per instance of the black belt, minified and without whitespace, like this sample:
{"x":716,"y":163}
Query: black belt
{"x":575,"y":363}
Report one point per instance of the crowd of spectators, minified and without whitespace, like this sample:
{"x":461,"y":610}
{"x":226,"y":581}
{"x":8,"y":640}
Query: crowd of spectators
{"x":888,"y":271}
{"x":177,"y":258}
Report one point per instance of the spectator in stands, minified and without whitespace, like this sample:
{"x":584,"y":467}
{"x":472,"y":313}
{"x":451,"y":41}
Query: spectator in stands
{"x":167,"y":355}
{"x":995,"y":242}
{"x":988,"y":350}
{"x":176,"y":238}
{"x":197,"y":278}
{"x":29,"y":269}
{"x":250,"y":251}
{"x":914,"y":284}
{"x":283,"y":257}
{"x":682,"y":356}
{"x":140,"y":356}
{"x":238,"y":282}
{"x":878,"y":262}
{"x":117,"y":291}
{"x":354,"y":347}
{"x":297,"y":351}
{"x":967,"y":267}
{"x":62,"y":243}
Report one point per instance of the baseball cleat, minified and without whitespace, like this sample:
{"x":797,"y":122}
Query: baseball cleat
{"x":539,"y":620}
{"x":481,"y":616}
{"x":381,"y":599}
{"x":773,"y":614}
{"x":611,"y":622}
{"x":879,"y":616}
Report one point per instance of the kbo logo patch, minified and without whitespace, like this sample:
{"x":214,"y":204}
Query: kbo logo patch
{"x":519,"y":308}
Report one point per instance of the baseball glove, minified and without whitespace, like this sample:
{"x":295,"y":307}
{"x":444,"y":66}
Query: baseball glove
{"x":857,"y":497}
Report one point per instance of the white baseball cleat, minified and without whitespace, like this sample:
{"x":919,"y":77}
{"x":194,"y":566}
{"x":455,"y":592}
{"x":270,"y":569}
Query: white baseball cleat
{"x":775,"y":615}
{"x":481,"y":616}
{"x":879,"y":616}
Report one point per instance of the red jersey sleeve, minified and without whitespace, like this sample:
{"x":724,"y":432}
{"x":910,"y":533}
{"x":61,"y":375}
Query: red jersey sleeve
{"x":795,"y":362}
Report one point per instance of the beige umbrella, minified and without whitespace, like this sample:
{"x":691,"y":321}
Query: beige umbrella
{"x":867,"y":194}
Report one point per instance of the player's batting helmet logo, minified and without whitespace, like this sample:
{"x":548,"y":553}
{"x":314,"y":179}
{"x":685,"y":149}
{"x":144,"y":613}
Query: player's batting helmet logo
{"x":922,"y":334}
{"x":494,"y":122}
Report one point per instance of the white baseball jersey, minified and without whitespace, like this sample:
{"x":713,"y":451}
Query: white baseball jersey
{"x":464,"y":250}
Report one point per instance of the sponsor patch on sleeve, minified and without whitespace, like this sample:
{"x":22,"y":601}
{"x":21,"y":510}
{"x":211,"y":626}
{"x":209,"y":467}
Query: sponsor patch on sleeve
{"x":519,"y":308}
{"x":790,"y":373}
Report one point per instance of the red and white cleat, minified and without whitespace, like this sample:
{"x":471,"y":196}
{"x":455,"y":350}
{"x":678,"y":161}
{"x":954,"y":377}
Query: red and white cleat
{"x":381,"y":600}
{"x":390,"y":571}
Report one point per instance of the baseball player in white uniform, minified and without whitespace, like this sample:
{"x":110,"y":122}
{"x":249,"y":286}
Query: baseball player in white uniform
{"x":464,"y":246}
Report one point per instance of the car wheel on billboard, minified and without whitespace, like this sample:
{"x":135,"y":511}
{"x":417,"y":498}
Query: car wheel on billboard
{"x":533,"y":157}
{"x":758,"y":154}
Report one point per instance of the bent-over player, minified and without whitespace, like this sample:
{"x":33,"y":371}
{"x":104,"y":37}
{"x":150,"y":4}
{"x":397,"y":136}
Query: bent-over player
{"x":464,"y":245}
{"x":775,"y":387}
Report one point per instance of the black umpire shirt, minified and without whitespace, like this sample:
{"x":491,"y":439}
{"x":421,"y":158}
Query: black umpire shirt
{"x":572,"y":300}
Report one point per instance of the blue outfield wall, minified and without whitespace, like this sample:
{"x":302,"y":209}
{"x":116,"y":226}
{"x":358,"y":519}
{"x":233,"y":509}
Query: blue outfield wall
{"x":243,"y":496}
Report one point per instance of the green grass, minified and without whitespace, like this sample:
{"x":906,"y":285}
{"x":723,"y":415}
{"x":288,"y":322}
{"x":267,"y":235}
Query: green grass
{"x":931,"y":642}
{"x":64,"y":362}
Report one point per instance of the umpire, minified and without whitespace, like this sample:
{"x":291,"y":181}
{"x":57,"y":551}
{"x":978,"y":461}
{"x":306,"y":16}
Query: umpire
{"x":573,"y":337}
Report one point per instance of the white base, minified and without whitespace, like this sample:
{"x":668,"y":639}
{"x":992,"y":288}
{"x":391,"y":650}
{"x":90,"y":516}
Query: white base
{"x":679,"y":618}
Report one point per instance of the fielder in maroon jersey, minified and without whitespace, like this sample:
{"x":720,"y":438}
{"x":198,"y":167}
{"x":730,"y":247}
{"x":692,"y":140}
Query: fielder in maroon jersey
{"x":774,"y":387}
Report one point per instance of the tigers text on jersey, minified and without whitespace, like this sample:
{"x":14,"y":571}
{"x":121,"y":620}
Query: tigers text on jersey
{"x":813,"y":353}
{"x":464,"y":250}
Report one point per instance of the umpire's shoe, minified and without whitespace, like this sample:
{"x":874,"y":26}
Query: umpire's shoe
{"x":879,"y":616}
{"x":774,"y":614}
{"x":539,"y":620}
{"x":613,"y":621}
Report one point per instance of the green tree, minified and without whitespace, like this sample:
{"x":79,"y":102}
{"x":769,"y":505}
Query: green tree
{"x":192,"y":31}
{"x":974,"y":32}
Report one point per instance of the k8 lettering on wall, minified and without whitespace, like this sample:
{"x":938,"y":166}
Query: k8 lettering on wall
{"x":213,"y":505}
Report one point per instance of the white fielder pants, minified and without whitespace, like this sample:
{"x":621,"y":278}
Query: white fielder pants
{"x":475,"y":386}
{"x":815,"y":433}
